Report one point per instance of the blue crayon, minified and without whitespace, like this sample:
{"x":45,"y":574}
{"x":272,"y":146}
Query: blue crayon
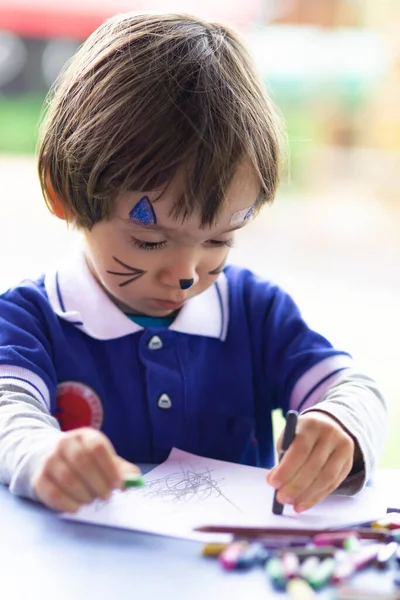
{"x":254,"y":554}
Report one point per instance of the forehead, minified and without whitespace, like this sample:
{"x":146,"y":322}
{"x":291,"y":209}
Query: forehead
{"x":242,"y":194}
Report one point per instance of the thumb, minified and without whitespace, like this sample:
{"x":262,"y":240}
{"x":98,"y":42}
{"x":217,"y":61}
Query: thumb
{"x":271,"y":472}
{"x":125,"y":468}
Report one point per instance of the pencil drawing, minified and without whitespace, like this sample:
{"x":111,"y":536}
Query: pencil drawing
{"x":185,"y":486}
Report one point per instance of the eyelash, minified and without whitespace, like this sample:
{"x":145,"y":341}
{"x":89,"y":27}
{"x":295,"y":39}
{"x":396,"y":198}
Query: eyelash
{"x":147,"y":245}
{"x":159,"y":245}
{"x":227,"y":243}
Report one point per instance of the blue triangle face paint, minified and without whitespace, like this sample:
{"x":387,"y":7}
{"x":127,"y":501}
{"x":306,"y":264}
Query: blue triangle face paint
{"x":143,"y":212}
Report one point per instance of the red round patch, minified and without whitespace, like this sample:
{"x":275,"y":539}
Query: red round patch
{"x":78,"y":406}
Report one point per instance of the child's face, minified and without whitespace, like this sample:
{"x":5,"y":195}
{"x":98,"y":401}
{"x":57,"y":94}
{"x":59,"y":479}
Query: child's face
{"x":151,"y":264}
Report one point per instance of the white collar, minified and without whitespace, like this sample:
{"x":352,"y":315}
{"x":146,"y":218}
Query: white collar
{"x":76,"y":297}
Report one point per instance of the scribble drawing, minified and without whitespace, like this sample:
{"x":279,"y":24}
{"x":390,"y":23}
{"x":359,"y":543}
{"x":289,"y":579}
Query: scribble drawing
{"x":186,"y":485}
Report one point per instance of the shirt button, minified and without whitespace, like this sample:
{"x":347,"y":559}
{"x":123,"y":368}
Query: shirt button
{"x":164,"y":402}
{"x":154,"y":343}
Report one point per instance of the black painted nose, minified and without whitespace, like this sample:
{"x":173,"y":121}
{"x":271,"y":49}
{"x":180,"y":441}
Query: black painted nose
{"x":185,"y":283}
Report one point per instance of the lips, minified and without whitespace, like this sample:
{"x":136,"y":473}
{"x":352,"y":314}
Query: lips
{"x":169,"y":304}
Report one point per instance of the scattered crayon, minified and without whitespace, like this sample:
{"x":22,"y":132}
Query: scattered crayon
{"x":385,"y":555}
{"x":393,"y":536}
{"x":290,"y":563}
{"x":322,"y":573}
{"x":213,"y":549}
{"x":321,"y":552}
{"x":282,"y":541}
{"x":298,"y":589}
{"x":344,"y":569}
{"x":255,"y":553}
{"x":308,"y":566}
{"x":275,"y":574}
{"x":351,"y":543}
{"x":389,"y":521}
{"x":365,"y":556}
{"x":229,"y":557}
{"x":134,"y":480}
{"x":333,"y":538}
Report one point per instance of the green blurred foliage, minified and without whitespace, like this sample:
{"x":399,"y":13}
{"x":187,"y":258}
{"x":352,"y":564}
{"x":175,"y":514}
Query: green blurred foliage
{"x":19,"y":118}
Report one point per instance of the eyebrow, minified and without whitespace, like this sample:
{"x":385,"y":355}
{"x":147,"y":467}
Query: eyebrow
{"x":156,"y":227}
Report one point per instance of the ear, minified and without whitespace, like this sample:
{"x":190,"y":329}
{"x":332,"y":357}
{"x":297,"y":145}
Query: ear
{"x":57,"y":206}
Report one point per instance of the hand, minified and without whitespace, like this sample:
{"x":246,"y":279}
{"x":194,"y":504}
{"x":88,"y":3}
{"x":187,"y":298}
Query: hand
{"x":82,"y":467}
{"x":318,"y":460}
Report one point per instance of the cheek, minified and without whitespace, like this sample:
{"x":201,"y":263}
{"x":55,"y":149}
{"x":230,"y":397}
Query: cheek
{"x":214,"y":262}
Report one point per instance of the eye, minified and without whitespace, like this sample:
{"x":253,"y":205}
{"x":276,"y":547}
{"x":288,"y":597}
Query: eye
{"x":219,"y":243}
{"x":141,"y":245}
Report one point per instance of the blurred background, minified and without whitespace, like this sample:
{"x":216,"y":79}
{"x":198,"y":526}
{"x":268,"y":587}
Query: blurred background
{"x":332,"y":238}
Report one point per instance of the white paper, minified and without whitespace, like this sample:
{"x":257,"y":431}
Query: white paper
{"x":188,"y":491}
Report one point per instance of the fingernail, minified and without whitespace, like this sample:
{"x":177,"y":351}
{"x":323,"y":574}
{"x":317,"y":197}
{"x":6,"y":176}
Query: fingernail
{"x":272,"y":480}
{"x":301,"y":508}
{"x":286,"y":500}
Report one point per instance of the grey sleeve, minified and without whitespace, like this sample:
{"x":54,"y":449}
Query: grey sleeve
{"x":28,"y":433}
{"x":355,"y":400}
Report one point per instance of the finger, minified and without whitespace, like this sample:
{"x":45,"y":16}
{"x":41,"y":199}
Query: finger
{"x":293,"y":460}
{"x":306,"y":475}
{"x":60,"y":471}
{"x":125,"y":468}
{"x":82,"y":474}
{"x":331,"y":476}
{"x":103,"y":455}
{"x":53,"y":496}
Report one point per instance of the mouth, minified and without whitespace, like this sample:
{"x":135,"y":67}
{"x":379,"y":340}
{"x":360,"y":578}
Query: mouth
{"x":168,"y":304}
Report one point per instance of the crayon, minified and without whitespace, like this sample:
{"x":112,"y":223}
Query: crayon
{"x":365,"y":556}
{"x":344,"y":569}
{"x":288,"y":437}
{"x":255,"y":553}
{"x":282,"y":541}
{"x":229,"y":557}
{"x":290,"y":564}
{"x":393,"y":536}
{"x":389,"y":521}
{"x":385,"y":555}
{"x":351,"y":543}
{"x":322,"y":573}
{"x":133,"y":480}
{"x":275,"y":574}
{"x":257,"y":532}
{"x":320,"y":552}
{"x":334,"y":538}
{"x":298,"y":589}
{"x":308,"y":566}
{"x":213,"y":549}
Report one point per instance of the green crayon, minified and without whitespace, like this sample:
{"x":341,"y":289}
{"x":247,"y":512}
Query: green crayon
{"x":322,"y":573}
{"x":134,"y":480}
{"x":275,"y":573}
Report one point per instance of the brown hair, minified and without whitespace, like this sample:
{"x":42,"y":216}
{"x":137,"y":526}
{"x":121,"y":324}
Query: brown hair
{"x":145,"y":95}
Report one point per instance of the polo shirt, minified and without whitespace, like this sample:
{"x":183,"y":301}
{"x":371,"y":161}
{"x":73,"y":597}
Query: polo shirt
{"x":206,"y":384}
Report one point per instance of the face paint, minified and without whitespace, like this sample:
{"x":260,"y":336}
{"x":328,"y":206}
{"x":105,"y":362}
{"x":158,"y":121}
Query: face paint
{"x":242,"y":215}
{"x":143,"y":212}
{"x":133,"y":273}
{"x":218,"y":269}
{"x":185,"y":284}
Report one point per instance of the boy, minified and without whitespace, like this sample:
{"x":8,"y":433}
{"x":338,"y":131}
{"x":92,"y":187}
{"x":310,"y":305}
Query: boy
{"x":158,"y":143}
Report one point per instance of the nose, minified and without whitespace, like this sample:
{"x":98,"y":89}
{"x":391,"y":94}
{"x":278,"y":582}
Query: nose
{"x":180,"y":272}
